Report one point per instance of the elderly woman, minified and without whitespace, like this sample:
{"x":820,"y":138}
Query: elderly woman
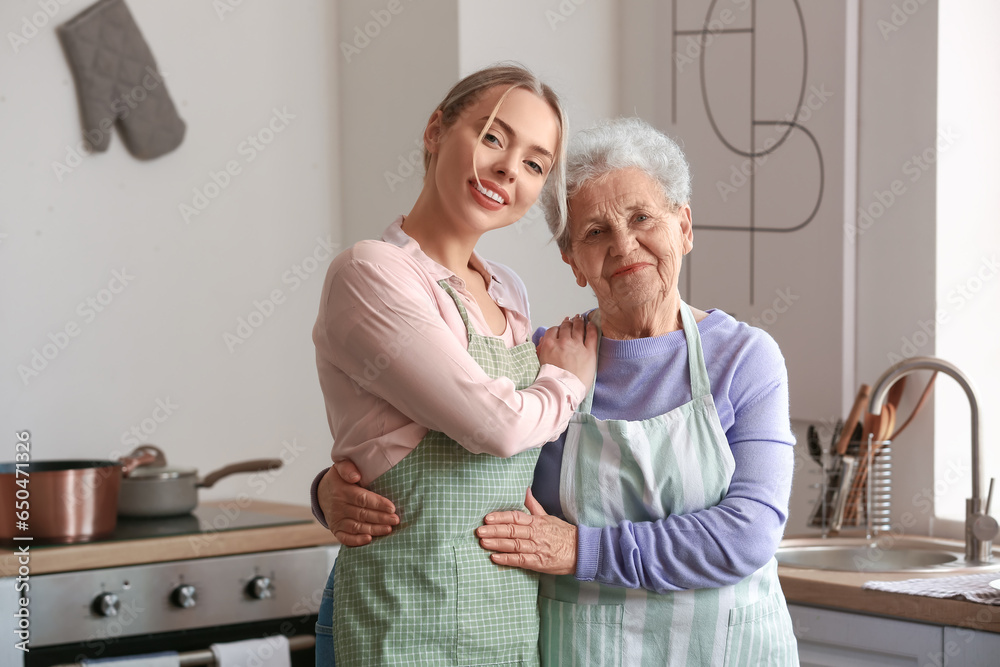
{"x":676,"y":470}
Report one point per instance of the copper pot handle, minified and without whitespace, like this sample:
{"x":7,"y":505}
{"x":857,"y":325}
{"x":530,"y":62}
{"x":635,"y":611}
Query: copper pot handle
{"x":141,"y":456}
{"x":254,"y":465}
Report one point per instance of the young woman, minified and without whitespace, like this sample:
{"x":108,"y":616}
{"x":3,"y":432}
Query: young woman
{"x":434,"y":391}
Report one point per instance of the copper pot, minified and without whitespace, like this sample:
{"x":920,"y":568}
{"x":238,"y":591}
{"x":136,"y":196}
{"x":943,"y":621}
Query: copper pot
{"x":67,"y":500}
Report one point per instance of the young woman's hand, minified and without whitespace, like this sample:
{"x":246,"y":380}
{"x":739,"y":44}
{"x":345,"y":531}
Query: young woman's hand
{"x":353,"y":513}
{"x":571,"y":346}
{"x":535,"y":541}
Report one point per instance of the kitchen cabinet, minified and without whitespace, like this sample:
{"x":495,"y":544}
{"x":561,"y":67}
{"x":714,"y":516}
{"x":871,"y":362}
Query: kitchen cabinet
{"x":829,"y":638}
{"x":971,"y":648}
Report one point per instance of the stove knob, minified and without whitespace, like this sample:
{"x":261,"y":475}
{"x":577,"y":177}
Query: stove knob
{"x":259,"y":588}
{"x":106,"y":605}
{"x":184,"y":596}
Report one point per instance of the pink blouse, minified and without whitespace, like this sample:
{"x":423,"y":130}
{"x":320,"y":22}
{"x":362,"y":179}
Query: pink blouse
{"x":391,"y":349}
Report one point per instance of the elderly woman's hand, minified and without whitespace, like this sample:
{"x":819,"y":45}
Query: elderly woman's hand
{"x":533,"y":541}
{"x":571,"y":346}
{"x":353,"y":513}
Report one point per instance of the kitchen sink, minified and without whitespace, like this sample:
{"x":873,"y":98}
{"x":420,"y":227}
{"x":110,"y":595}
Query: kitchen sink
{"x":881,"y":554}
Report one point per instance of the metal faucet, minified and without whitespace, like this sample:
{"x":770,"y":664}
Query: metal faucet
{"x":980,"y":527}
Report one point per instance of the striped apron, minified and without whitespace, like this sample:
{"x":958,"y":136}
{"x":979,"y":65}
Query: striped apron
{"x":428,"y":594}
{"x":675,"y":463}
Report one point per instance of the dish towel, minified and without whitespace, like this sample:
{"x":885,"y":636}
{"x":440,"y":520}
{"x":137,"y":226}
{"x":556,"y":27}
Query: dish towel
{"x":117,"y":81}
{"x":971,"y":587}
{"x":165,"y":659}
{"x":267,"y":652}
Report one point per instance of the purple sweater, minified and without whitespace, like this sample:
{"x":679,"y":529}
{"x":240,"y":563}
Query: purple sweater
{"x":720,"y":545}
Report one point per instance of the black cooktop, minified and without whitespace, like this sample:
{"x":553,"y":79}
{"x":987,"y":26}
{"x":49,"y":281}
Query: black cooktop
{"x":204,"y":520}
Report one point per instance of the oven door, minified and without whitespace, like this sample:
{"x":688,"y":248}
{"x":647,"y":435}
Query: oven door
{"x":195,"y":642}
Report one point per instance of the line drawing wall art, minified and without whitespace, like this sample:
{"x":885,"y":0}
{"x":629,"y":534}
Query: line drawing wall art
{"x":788,"y":123}
{"x":765,"y":123}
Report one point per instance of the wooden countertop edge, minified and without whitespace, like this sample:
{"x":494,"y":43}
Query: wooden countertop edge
{"x":815,"y":588}
{"x":160,"y":549}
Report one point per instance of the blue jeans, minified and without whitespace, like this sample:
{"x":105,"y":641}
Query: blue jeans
{"x":324,"y":627}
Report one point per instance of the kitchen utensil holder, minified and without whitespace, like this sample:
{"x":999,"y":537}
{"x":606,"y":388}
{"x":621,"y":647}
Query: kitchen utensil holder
{"x":863,"y":502}
{"x":878,"y":494}
{"x":872,"y":507}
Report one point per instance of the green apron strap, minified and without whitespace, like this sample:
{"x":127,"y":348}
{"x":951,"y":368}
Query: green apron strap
{"x":461,"y":306}
{"x":594,"y":317}
{"x":700,"y":384}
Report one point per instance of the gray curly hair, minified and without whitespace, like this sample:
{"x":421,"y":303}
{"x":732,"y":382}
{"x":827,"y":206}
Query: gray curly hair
{"x":621,"y":143}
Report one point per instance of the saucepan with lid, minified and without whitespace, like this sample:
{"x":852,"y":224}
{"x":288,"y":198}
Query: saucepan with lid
{"x":164,"y":490}
{"x":65,"y":501}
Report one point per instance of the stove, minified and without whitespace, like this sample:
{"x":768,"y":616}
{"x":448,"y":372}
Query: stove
{"x":182,"y":605}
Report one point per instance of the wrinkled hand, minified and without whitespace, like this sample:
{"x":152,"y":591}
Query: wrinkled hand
{"x":353,"y":513}
{"x":533,"y":541}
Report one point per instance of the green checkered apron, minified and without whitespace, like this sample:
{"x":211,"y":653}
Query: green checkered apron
{"x":679,"y":462}
{"x":428,"y":594}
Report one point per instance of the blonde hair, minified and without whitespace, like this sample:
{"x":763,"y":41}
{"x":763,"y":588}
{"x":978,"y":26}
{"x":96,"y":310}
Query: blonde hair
{"x":469,"y":89}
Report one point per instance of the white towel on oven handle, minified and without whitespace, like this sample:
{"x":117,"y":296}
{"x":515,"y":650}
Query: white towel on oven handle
{"x":270,"y":651}
{"x":165,"y":659}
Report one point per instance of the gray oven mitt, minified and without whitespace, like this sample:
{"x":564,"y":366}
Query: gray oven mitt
{"x":117,"y":80}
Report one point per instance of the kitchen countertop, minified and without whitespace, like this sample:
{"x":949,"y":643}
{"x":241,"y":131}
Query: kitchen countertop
{"x":94,"y":555}
{"x":842,"y":590}
{"x":819,"y":588}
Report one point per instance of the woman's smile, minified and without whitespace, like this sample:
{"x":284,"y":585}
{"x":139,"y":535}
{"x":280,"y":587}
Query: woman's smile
{"x":490,"y":195}
{"x":630,"y":269}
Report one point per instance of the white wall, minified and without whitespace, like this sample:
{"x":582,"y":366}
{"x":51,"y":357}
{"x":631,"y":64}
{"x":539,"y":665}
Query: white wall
{"x":968,"y":243}
{"x":160,"y":340}
{"x":396,"y":60}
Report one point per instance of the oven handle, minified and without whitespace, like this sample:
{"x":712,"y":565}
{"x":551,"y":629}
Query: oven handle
{"x":206,"y":657}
